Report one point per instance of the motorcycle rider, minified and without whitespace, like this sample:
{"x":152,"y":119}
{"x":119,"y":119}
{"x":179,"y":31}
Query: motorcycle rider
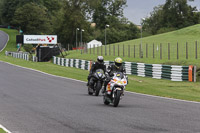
{"x":99,"y":64}
{"x":116,"y":67}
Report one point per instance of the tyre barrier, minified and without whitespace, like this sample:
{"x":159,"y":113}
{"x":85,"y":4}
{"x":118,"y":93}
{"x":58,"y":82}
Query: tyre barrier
{"x":157,"y":71}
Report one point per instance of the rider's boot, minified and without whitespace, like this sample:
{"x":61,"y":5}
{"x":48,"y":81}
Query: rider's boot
{"x":87,"y":83}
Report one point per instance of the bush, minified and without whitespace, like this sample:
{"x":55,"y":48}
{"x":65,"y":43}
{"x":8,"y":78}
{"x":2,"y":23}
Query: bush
{"x":164,"y":30}
{"x":28,"y":47}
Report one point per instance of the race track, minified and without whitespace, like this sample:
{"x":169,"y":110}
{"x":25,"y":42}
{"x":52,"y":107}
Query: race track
{"x":33,"y":102}
{"x":3,"y":40}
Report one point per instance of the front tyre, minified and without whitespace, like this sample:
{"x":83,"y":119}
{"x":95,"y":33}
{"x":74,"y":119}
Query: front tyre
{"x":97,"y":88}
{"x":116,"y":98}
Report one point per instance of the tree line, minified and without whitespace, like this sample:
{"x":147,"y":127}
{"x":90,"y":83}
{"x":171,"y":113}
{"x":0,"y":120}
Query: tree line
{"x":63,"y":17}
{"x":172,"y":15}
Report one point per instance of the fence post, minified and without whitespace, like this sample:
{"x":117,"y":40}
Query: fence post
{"x":153,"y":51}
{"x":196,"y":50}
{"x":68,"y":47}
{"x":177,"y":52}
{"x":129,"y":51}
{"x":93,"y":49}
{"x":140,"y":50}
{"x":186,"y":50}
{"x":105,"y":50}
{"x":118,"y":49}
{"x":123,"y":50}
{"x":90,"y":49}
{"x":109,"y":50}
{"x":113,"y":50}
{"x":86,"y":48}
{"x":101,"y":50}
{"x":81,"y":48}
{"x":195,"y":69}
{"x":168,"y":51}
{"x":134,"y":51}
{"x":146,"y":50}
{"x":97,"y":49}
{"x":161,"y":51}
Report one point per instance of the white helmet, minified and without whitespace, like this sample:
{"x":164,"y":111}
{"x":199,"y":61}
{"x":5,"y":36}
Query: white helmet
{"x":100,"y":59}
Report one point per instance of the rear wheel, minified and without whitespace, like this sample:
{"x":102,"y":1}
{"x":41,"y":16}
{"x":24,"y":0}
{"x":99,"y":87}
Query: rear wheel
{"x":116,"y":98}
{"x":89,"y":92}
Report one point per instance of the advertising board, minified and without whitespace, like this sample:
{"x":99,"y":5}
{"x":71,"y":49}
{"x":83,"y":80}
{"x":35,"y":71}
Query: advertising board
{"x":40,"y":39}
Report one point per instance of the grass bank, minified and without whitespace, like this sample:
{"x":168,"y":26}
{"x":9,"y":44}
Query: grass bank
{"x":189,"y":35}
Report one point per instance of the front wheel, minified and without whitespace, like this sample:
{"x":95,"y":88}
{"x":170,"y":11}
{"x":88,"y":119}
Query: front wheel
{"x":97,"y":88}
{"x":116,"y":98}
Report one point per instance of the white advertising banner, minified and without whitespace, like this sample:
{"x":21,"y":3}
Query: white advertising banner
{"x":40,"y":39}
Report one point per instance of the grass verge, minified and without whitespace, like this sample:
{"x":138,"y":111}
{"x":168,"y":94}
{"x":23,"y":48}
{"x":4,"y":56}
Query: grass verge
{"x":158,"y":87}
{"x":2,"y":131}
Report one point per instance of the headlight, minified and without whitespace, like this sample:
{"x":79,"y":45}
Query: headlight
{"x":100,"y":74}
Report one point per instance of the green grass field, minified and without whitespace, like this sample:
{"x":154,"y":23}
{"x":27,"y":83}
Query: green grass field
{"x":165,"y":88}
{"x":189,"y":35}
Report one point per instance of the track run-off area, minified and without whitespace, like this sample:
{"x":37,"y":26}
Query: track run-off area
{"x":35,"y":102}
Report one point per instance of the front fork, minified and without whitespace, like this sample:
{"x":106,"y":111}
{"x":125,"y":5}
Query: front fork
{"x":118,"y":89}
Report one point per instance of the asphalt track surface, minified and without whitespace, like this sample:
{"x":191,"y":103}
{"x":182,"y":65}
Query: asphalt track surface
{"x":3,"y":40}
{"x":33,"y":102}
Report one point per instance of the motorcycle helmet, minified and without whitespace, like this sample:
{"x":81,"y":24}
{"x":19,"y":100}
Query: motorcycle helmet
{"x":118,"y":62}
{"x":100,"y":59}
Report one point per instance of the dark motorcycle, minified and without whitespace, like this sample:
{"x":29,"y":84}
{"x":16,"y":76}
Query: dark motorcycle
{"x":115,"y":89}
{"x":98,"y":79}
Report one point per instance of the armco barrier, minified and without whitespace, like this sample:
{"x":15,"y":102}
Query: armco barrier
{"x":20,"y":55}
{"x":157,"y":71}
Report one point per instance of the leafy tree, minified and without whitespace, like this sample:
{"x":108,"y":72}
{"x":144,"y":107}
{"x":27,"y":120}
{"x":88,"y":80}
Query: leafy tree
{"x":9,"y":7}
{"x":174,"y":14}
{"x":32,"y":19}
{"x":154,"y":22}
{"x":120,"y":30}
{"x":111,"y":12}
{"x":106,"y":8}
{"x":70,"y":17}
{"x":7,"y":10}
{"x":28,"y":48}
{"x":63,"y":17}
{"x":1,"y":7}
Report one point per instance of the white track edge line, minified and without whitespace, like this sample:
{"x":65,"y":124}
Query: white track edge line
{"x":5,"y":129}
{"x":6,"y":42}
{"x":180,"y":100}
{"x":167,"y":98}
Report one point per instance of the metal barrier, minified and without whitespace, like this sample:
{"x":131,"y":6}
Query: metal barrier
{"x":19,"y":55}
